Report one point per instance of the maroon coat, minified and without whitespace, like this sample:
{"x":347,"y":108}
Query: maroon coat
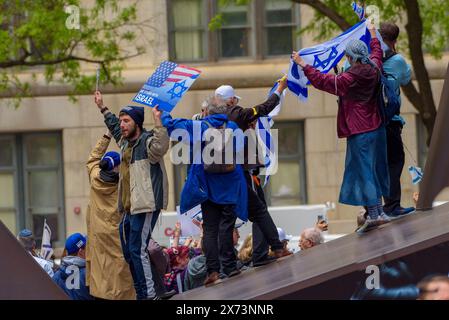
{"x":358,"y":111}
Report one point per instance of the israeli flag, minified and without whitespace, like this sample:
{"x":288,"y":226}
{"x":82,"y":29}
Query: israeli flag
{"x":324,"y":57}
{"x":264,"y":137}
{"x":359,"y":10}
{"x":416,"y":173}
{"x":46,"y":248}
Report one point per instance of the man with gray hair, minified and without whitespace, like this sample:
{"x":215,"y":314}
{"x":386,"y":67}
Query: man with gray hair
{"x":310,"y":237}
{"x":28,"y":242}
{"x":265,"y":234}
{"x":219,"y":188}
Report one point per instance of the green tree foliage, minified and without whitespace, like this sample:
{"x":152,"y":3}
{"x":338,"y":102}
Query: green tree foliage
{"x":36,"y":37}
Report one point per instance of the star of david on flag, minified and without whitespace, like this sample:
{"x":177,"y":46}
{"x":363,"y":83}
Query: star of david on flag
{"x":323,"y":57}
{"x":167,"y":85}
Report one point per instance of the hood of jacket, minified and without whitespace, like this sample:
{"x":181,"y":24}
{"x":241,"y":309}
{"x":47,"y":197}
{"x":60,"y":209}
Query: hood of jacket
{"x":71,"y":261}
{"x":197,"y":267}
{"x":216,"y":120}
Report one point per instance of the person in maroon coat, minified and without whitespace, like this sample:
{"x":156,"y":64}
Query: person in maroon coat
{"x":366,"y":177}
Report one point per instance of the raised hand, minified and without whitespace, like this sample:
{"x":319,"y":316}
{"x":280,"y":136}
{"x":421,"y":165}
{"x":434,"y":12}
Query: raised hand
{"x":98,"y":98}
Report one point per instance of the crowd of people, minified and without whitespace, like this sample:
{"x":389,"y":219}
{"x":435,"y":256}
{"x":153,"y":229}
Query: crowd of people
{"x":120,"y":260}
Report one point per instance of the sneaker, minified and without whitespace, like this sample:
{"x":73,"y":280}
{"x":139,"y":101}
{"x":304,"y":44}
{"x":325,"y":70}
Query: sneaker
{"x":212,"y":279}
{"x":401,"y":212}
{"x":234,"y":273}
{"x":384,"y":218}
{"x":156,"y":298}
{"x":167,"y":295}
{"x":368,"y":225}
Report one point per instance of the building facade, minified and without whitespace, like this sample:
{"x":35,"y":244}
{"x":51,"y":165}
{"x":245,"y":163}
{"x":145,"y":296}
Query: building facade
{"x":45,"y":143}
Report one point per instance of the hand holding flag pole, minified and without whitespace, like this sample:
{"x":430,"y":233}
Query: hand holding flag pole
{"x":98,"y":80}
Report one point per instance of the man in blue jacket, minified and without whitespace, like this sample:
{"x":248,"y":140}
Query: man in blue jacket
{"x":71,"y":277}
{"x":398,"y":71}
{"x":223,"y":196}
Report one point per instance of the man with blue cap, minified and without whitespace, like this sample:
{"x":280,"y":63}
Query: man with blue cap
{"x":143,"y":187}
{"x":71,"y":276}
{"x":27,"y":240}
{"x":103,"y":251}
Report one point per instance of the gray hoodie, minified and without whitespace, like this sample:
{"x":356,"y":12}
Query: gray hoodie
{"x":196,"y":273}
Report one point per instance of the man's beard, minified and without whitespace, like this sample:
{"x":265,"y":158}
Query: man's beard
{"x":131,"y":133}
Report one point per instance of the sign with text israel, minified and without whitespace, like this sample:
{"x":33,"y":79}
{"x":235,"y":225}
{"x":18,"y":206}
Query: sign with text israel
{"x":167,"y":85}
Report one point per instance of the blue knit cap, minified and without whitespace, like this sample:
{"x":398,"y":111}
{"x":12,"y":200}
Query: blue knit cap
{"x":75,"y":242}
{"x":25,"y":233}
{"x":113,"y":159}
{"x":136,"y":113}
{"x":358,"y":51}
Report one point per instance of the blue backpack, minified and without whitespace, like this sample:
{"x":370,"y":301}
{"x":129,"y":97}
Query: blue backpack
{"x":388,"y":96}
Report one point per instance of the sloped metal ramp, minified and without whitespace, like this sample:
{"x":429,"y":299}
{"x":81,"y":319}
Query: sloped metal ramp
{"x":333,"y":260}
{"x":21,"y":277}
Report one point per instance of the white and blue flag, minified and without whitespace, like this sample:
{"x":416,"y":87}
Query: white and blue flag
{"x":359,"y":10}
{"x":265,"y":138}
{"x":324,"y":57}
{"x":416,"y":173}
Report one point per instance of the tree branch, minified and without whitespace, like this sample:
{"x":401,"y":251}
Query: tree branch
{"x":327,"y":11}
{"x":23,"y":63}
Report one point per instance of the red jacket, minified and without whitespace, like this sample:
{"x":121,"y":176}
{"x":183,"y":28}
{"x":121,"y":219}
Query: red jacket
{"x":358,"y":111}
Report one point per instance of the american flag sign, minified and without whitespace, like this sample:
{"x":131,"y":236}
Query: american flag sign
{"x":167,"y":85}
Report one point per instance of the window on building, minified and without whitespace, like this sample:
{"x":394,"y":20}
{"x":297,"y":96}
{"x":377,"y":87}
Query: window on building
{"x":235,"y":33}
{"x":261,"y":28}
{"x":288,"y":185}
{"x":187,"y":30}
{"x":279,"y":28}
{"x":32,"y":183}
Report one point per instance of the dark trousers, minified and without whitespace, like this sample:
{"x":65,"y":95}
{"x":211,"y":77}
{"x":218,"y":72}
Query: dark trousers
{"x":396,"y":159}
{"x":218,"y":227}
{"x":135,"y":233}
{"x":265,"y":233}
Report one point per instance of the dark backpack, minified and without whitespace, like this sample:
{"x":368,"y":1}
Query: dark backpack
{"x":222,"y":167}
{"x":388,"y":96}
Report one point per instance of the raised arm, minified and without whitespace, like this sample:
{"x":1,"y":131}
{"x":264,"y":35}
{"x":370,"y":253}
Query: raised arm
{"x":376,"y":49}
{"x":337,"y":85}
{"x":158,"y":144}
{"x":248,"y":115}
{"x":93,"y":163}
{"x":111,"y":121}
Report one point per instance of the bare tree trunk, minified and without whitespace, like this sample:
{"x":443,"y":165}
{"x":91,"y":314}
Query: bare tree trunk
{"x":425,"y":104}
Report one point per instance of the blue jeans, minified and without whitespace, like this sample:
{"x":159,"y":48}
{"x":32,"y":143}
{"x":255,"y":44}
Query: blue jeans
{"x":135,"y":233}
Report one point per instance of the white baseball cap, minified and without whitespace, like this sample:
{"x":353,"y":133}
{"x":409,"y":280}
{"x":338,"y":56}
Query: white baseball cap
{"x":226,"y":92}
{"x":283,"y":236}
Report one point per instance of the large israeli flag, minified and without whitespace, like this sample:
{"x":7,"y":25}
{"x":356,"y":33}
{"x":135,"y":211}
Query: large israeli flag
{"x":324,"y":57}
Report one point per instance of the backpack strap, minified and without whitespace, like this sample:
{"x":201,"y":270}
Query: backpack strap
{"x":388,"y":54}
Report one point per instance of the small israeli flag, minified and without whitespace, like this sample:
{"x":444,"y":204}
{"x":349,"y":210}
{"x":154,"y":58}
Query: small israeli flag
{"x":359,"y":10}
{"x":416,"y":174}
{"x":46,"y":248}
